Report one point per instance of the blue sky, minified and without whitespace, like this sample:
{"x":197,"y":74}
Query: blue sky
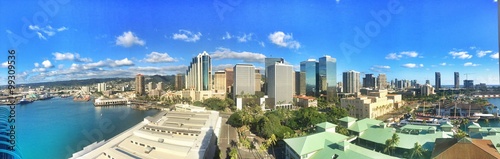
{"x":405,"y":39}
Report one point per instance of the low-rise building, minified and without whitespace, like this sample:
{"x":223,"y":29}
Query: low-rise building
{"x":375,"y":104}
{"x":306,"y":101}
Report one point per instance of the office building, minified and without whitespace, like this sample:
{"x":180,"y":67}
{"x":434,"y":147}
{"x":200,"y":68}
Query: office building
{"x":199,"y":73}
{"x":382,"y":81}
{"x":139,"y":85}
{"x":101,"y":87}
{"x":469,"y":84}
{"x":268,"y":62}
{"x":280,"y":85}
{"x":150,"y":86}
{"x":369,"y":81}
{"x":229,"y":79}
{"x":180,"y":81}
{"x":437,"y":83}
{"x":375,"y":104}
{"x":350,"y":82}
{"x":220,"y":81}
{"x":258,"y":80}
{"x":457,"y":80}
{"x":310,"y":68}
{"x":244,"y":80}
{"x":427,"y":90}
{"x":300,"y":87}
{"x":159,"y":86}
{"x":327,"y":72}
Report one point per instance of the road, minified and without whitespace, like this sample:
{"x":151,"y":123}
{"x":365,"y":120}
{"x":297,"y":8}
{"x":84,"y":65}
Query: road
{"x":228,"y":134}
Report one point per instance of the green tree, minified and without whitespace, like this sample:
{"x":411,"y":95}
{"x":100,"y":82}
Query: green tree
{"x":460,"y":134}
{"x":235,"y":120}
{"x":417,"y":151}
{"x":395,"y":141}
{"x":388,"y":146}
{"x":342,"y":130}
{"x":233,"y":153}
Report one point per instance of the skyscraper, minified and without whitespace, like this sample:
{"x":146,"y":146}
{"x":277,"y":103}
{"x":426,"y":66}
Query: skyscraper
{"x":280,"y":85}
{"x":300,"y":87}
{"x":199,"y":73}
{"x":457,"y":80}
{"x":350,"y":81}
{"x":244,"y":80}
{"x":268,"y":62}
{"x":139,"y":85}
{"x":159,"y":86}
{"x":101,"y":87}
{"x":438,"y":81}
{"x":229,"y":79}
{"x":369,"y":81}
{"x":382,"y":81}
{"x":469,"y":84}
{"x":220,"y":81}
{"x":258,"y":79}
{"x":310,"y":68}
{"x":327,"y":72}
{"x":150,"y":86}
{"x":180,"y":82}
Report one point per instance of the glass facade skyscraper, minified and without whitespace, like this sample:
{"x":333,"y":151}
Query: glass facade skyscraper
{"x":327,"y":75}
{"x":310,"y":68}
{"x":199,"y":73}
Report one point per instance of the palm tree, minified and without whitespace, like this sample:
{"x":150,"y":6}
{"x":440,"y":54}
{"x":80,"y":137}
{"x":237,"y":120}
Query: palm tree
{"x":417,"y":151}
{"x":395,"y":141}
{"x":465,"y":121}
{"x":388,"y":146}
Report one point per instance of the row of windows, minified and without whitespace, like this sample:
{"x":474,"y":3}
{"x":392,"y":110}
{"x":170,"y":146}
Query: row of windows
{"x":104,"y":153}
{"x":170,"y":132}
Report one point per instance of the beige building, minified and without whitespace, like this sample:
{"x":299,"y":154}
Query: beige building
{"x":375,"y":104}
{"x":229,"y":79}
{"x":306,"y":101}
{"x":179,"y":81}
{"x":427,"y":90}
{"x":258,"y":80}
{"x":220,"y":81}
{"x":139,"y":85}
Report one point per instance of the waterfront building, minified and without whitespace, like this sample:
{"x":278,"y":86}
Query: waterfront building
{"x":139,"y":85}
{"x":199,"y":73}
{"x":220,"y":81}
{"x":159,"y":86}
{"x":437,"y":79}
{"x":327,"y":76}
{"x":350,"y":81}
{"x":279,"y":86}
{"x":179,"y":81}
{"x":375,"y":104}
{"x":310,"y":69}
{"x":457,"y":80}
{"x":268,"y":62}
{"x":101,"y":87}
{"x":229,"y":79}
{"x":369,"y":81}
{"x":300,"y":87}
{"x":105,"y":102}
{"x":326,"y":143}
{"x":244,"y":80}
{"x":427,"y":90}
{"x":188,"y":133}
{"x":469,"y":84}
{"x":382,"y":81}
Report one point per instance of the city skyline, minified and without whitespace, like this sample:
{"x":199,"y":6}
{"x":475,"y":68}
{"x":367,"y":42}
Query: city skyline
{"x":99,"y":40}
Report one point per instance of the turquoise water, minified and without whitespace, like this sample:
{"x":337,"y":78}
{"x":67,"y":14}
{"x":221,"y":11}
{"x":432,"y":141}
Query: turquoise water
{"x":56,"y":128}
{"x":493,"y":123}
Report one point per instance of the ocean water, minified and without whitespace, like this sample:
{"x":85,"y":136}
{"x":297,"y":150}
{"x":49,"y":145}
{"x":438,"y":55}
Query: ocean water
{"x":493,"y":123}
{"x":58,"y":127}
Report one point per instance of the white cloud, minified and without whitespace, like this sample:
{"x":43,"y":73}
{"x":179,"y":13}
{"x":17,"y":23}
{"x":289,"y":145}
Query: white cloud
{"x":48,"y":30}
{"x":227,"y":36}
{"x":156,"y":57}
{"x":460,"y":54}
{"x":106,"y":63}
{"x":60,"y":66}
{"x":443,"y":64}
{"x":262,"y":44}
{"x":127,"y":39}
{"x":40,"y":69}
{"x":470,"y":64}
{"x":244,"y":37}
{"x":393,"y":56}
{"x":224,"y":53}
{"x":187,"y":36}
{"x":47,"y":64}
{"x":5,"y":64}
{"x":495,"y":55}
{"x":412,"y":65}
{"x":284,"y":40}
{"x":397,"y":56}
{"x":481,"y":53}
{"x":409,"y":53}
{"x":70,"y":56}
{"x":380,"y":69}
{"x":37,"y":64}
{"x":222,"y":67}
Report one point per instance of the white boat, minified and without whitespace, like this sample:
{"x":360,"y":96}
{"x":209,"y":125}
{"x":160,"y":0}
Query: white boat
{"x":483,"y":116}
{"x":430,"y":121}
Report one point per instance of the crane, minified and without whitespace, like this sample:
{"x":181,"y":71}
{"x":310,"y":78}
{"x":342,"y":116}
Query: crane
{"x":466,"y":75}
